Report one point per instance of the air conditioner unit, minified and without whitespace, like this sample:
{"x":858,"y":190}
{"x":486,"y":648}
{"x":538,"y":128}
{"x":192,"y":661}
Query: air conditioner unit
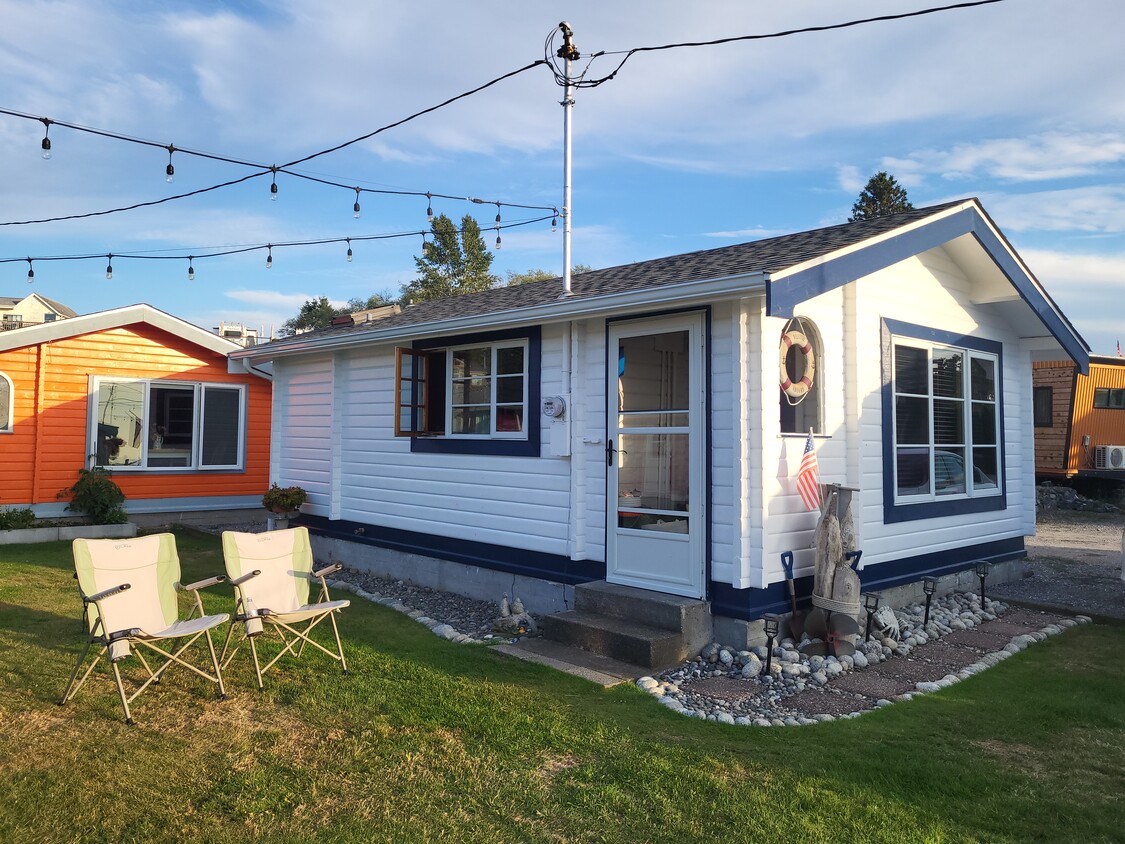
{"x":1110,"y":457}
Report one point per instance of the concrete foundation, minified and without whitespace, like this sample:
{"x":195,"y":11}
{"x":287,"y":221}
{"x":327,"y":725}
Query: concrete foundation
{"x":540,"y":597}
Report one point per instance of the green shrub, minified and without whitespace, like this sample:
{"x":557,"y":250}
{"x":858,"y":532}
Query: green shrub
{"x":12,"y":518}
{"x":284,"y":499}
{"x":96,"y":495}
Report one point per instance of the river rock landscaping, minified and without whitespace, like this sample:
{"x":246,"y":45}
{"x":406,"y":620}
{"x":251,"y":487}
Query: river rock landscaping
{"x":962,"y":638}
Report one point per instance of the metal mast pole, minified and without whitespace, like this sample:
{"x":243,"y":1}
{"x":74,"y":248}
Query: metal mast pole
{"x":568,"y":52}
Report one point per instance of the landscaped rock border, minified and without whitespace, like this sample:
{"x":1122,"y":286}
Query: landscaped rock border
{"x":65,"y":534}
{"x":437,"y":627}
{"x":768,"y":700}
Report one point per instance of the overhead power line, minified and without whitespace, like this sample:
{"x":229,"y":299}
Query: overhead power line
{"x":581,"y":82}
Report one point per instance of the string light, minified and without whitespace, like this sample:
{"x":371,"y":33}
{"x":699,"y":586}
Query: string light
{"x":170,"y":171}
{"x":428,"y":248}
{"x":273,"y":187}
{"x":429,"y":208}
{"x":355,"y":207}
{"x":498,"y":225}
{"x":554,"y":224}
{"x":349,"y":250}
{"x":109,"y":267}
{"x":498,"y":239}
{"x":46,"y":144}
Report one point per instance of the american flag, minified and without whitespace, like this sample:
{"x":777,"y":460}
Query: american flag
{"x":808,"y":477}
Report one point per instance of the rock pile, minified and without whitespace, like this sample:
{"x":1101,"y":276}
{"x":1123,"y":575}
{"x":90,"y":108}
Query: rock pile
{"x":1049,"y":497}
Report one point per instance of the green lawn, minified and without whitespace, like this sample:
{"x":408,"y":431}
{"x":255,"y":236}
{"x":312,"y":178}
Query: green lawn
{"x":429,"y":741}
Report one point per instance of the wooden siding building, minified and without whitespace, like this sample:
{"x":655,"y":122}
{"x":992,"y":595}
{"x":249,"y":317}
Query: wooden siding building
{"x":149,"y":396}
{"x":1080,"y":419}
{"x":638,"y":429}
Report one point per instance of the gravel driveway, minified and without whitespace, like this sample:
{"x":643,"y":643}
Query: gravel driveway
{"x":1073,"y":564}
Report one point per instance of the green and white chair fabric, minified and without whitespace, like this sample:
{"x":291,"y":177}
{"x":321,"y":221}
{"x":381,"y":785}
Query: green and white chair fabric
{"x":271,"y":574}
{"x":129,"y":593}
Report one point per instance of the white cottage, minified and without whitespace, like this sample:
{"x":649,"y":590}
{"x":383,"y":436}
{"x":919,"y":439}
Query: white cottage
{"x":645,"y":431}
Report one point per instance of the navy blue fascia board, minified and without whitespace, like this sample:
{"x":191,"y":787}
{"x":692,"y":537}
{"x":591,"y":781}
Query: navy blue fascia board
{"x":750,"y":604}
{"x":895,"y":513}
{"x":556,"y":567}
{"x":531,"y":447}
{"x":784,"y":295}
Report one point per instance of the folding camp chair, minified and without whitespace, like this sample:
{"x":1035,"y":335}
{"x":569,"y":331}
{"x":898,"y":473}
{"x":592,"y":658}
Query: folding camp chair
{"x":128,"y":589}
{"x":271,"y":573}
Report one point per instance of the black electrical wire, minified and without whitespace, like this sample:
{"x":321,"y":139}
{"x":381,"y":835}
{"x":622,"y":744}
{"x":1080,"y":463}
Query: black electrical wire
{"x":265,"y":169}
{"x":215,"y":252}
{"x":580,"y":82}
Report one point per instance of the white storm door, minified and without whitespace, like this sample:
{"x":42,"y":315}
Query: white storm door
{"x":656,"y":471}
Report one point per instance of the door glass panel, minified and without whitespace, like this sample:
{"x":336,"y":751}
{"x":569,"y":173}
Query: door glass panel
{"x":652,"y":472}
{"x":653,"y":372}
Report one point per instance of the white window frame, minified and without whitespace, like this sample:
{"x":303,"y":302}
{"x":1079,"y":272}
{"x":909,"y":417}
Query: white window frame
{"x":10,"y":401}
{"x":971,"y":489}
{"x":199,"y":390}
{"x":494,"y":348}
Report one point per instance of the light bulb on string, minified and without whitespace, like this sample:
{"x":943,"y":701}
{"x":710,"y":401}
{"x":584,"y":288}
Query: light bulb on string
{"x":170,"y":171}
{"x":273,"y":186}
{"x":425,"y":246}
{"x":269,"y":256}
{"x":109,"y":267}
{"x":190,"y":268}
{"x":30,"y":272}
{"x":498,"y":246}
{"x":497,"y":214}
{"x":355,"y":207}
{"x":46,"y":143}
{"x":429,"y":208}
{"x":554,"y":224}
{"x":349,"y":250}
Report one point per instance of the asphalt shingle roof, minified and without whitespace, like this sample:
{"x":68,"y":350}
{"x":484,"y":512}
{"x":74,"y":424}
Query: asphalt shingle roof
{"x":770,"y":256}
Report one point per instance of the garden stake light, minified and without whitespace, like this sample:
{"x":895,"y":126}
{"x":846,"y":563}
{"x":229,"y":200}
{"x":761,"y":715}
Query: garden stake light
{"x":871,"y":606}
{"x":982,"y":568}
{"x":929,"y":586}
{"x":770,"y":623}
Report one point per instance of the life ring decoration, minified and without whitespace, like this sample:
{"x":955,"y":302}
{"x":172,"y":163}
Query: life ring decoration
{"x":800,"y":388}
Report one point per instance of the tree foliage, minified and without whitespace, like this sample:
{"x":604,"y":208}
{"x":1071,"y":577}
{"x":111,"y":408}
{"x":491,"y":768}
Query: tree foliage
{"x":315,"y":313}
{"x":453,"y":263}
{"x":881,"y":196}
{"x":319,"y":312}
{"x":540,"y":274}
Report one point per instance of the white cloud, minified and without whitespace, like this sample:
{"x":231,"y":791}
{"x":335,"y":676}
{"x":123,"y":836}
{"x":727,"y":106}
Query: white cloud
{"x":1053,"y":155}
{"x":756,"y":233}
{"x":274,"y":299}
{"x":1097,"y":210}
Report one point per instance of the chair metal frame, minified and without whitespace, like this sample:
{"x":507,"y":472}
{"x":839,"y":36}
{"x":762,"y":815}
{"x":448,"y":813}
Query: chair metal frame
{"x":118,"y":644}
{"x":253,"y":620}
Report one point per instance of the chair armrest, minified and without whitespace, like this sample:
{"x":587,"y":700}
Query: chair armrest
{"x":238,"y":581}
{"x":105,"y":593}
{"x":201,"y":584}
{"x":327,"y":570}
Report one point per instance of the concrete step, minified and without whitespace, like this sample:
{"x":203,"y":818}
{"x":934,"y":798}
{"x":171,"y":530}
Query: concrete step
{"x":573,"y":660}
{"x":617,"y":638}
{"x":689,"y":616}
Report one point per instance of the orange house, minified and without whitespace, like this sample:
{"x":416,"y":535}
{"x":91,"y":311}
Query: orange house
{"x":1080,"y":419}
{"x":148,"y":396}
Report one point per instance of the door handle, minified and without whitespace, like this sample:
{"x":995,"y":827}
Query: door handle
{"x":609,"y":452}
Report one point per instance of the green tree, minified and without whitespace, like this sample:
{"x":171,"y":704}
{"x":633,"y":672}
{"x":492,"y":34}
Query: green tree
{"x":453,"y":263}
{"x":540,"y":274}
{"x":881,"y":196}
{"x":315,"y":313}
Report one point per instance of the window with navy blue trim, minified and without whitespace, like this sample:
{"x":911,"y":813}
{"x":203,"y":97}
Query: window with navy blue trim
{"x":942,"y":433}
{"x":471,"y":394}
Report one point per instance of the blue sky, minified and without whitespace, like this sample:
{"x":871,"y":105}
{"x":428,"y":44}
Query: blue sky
{"x":1020,"y":103}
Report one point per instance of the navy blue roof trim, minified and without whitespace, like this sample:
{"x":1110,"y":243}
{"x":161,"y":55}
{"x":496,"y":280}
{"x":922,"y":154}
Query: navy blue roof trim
{"x":784,"y":294}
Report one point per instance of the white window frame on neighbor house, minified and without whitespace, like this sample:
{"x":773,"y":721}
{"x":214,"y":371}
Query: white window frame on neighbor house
{"x":146,"y":442}
{"x":7,"y":404}
{"x":981,"y":490}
